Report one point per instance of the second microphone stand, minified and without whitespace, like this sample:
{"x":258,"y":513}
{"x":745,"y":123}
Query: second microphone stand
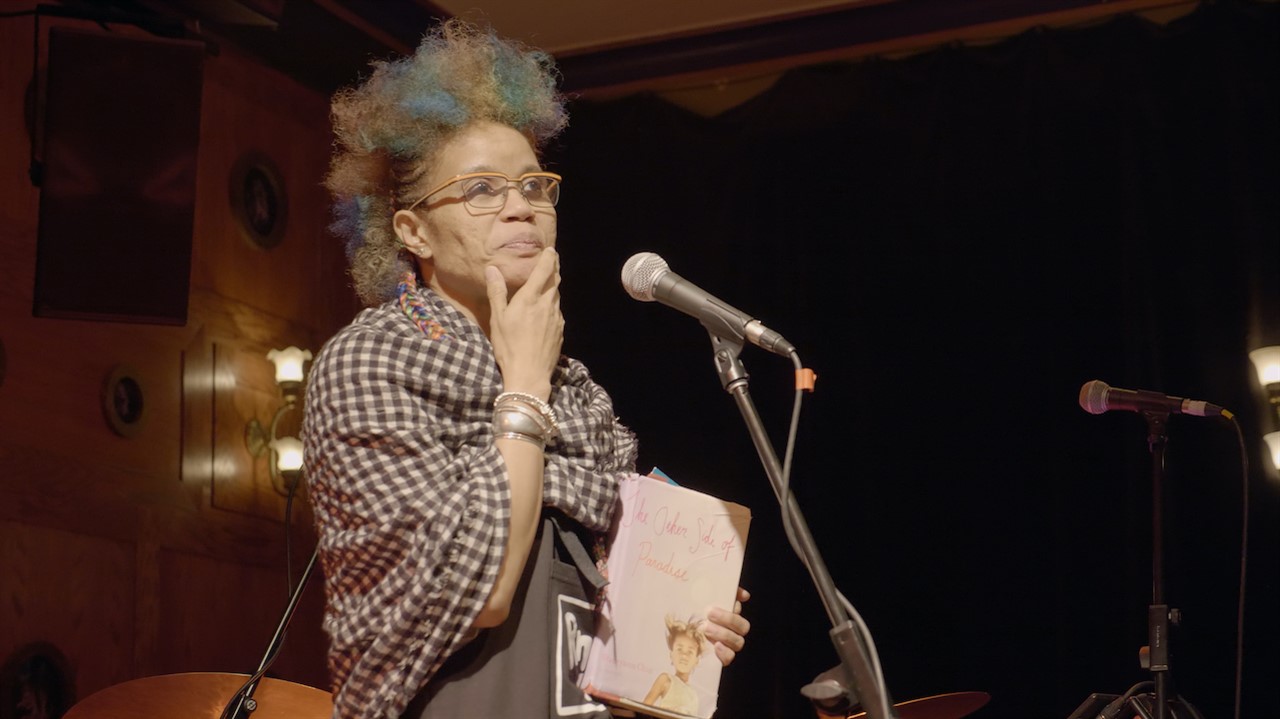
{"x":1159,"y":615}
{"x":848,"y":643}
{"x":1156,"y":656}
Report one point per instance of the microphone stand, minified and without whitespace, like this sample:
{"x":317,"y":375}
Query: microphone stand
{"x":848,"y":644}
{"x":1158,"y":613}
{"x":1156,"y":656}
{"x":243,"y":704}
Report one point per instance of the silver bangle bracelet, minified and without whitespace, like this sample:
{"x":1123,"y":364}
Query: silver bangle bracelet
{"x":543,"y":408}
{"x":507,"y":421}
{"x":520,"y":435}
{"x":548,"y":429}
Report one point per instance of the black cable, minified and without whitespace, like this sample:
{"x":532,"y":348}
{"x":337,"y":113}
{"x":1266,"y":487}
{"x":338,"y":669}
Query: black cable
{"x":288,"y":538}
{"x":1112,"y":710}
{"x":788,"y":453}
{"x":866,"y":644}
{"x":1195,"y":713}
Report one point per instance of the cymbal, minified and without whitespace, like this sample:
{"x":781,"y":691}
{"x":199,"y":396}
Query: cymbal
{"x":942,"y":706}
{"x":201,"y":695}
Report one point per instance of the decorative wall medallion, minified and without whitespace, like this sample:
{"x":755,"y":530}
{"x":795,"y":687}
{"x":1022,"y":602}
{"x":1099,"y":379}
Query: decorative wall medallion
{"x":123,"y":401}
{"x":258,"y":200}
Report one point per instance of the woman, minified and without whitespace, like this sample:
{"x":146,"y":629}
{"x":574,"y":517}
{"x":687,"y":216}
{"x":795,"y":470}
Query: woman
{"x":444,"y":429}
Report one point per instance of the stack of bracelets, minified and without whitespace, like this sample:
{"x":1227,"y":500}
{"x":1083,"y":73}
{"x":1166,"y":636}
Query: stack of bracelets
{"x":518,"y":415}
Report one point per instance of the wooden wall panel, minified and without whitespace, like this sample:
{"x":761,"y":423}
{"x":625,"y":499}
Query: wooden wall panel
{"x":73,"y":591}
{"x":251,"y":109}
{"x":114,"y":548}
{"x":129,"y":509}
{"x":221,"y":616}
{"x":52,"y":396}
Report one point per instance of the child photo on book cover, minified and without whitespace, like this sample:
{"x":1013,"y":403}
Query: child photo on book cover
{"x":686,"y":643}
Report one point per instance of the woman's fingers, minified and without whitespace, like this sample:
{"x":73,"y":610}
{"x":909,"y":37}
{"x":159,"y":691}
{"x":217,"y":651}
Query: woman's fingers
{"x":496,"y":287}
{"x":526,"y":328}
{"x":727,"y":630}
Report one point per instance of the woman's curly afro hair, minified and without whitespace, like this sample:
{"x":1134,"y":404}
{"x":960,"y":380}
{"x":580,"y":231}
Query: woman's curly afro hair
{"x":388,"y":129}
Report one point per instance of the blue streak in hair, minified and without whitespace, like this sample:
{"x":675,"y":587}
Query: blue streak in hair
{"x":438,"y":105}
{"x":506,"y":71}
{"x":349,"y":222}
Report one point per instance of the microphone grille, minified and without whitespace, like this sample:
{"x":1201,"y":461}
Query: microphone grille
{"x":1093,"y":396}
{"x":641,"y":272}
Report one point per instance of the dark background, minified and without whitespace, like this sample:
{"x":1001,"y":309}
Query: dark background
{"x":956,"y":242}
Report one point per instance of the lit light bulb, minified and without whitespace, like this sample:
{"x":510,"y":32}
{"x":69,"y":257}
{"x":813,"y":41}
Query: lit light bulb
{"x":289,"y":363}
{"x":1266,"y":362}
{"x":288,"y":453}
{"x":1273,"y":443}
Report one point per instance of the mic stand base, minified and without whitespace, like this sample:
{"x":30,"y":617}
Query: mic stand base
{"x":1128,"y":705}
{"x":1144,"y":705}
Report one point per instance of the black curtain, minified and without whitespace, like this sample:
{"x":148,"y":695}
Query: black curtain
{"x":956,"y":242}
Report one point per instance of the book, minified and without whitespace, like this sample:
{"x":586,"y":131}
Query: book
{"x":673,"y":553}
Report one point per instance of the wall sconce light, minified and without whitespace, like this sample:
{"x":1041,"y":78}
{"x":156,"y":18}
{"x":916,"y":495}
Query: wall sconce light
{"x":285,"y":465}
{"x":1266,"y":362}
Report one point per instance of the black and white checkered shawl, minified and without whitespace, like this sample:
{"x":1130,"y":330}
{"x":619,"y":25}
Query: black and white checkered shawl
{"x":410,"y":494}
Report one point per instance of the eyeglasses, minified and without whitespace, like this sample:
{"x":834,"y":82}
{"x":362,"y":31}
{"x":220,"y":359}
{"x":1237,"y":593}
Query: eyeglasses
{"x":488,"y":190}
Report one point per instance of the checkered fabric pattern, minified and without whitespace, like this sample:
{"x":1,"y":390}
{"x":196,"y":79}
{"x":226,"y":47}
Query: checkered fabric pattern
{"x":410,"y":494}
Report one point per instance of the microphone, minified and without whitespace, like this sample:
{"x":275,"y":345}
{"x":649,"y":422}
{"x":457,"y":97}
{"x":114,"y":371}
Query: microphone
{"x":647,"y":278}
{"x":1097,"y":397}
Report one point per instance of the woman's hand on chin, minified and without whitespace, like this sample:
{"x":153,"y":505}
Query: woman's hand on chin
{"x":526,"y":328}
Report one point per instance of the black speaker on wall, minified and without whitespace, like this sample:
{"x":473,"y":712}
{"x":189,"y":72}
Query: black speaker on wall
{"x":117,"y":199}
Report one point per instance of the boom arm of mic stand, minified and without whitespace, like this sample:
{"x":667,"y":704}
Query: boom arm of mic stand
{"x":244,"y":702}
{"x":848,"y":644}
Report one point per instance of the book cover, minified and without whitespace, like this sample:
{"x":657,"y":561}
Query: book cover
{"x":673,"y":554}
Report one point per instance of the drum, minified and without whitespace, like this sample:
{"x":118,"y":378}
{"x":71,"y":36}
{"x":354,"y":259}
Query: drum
{"x":201,"y":695}
{"x":942,"y":706}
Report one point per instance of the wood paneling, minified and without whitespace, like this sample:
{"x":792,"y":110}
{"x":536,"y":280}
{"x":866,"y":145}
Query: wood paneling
{"x":250,"y":109}
{"x":73,"y":591}
{"x":164,"y":552}
{"x":223,"y":614}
